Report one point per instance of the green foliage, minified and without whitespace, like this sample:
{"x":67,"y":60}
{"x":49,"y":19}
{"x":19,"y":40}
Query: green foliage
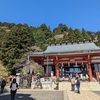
{"x":15,"y":44}
{"x":91,"y":34}
{"x":85,"y":35}
{"x":98,"y":38}
{"x":71,"y":35}
{"x":60,"y":29}
{"x":3,"y":71}
{"x":2,"y":33}
{"x":65,"y":37}
{"x":78,"y":35}
{"x":41,"y":35}
{"x":40,"y":69}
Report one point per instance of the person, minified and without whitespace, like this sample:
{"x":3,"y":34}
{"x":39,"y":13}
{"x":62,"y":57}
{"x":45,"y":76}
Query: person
{"x":13,"y":88}
{"x":56,"y":81}
{"x":99,"y":79}
{"x":18,"y":78}
{"x":3,"y":84}
{"x":0,"y":83}
{"x":87,"y":77}
{"x":70,"y":75}
{"x":78,"y":84}
{"x":77,"y":75}
{"x":73,"y":75}
{"x":84,"y":75}
{"x":73,"y":84}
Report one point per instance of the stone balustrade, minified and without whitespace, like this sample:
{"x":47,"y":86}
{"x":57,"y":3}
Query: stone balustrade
{"x":46,"y":84}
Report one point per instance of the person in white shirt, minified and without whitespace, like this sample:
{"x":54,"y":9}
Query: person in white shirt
{"x":13,"y":88}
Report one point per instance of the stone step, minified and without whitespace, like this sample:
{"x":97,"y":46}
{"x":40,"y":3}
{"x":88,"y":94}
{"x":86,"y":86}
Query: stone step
{"x":84,"y":86}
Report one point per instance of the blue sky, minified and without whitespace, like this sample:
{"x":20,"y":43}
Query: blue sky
{"x":74,"y":13}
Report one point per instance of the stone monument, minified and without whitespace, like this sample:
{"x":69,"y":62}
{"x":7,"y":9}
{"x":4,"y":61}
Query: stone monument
{"x":38,"y":82}
{"x":26,"y":78}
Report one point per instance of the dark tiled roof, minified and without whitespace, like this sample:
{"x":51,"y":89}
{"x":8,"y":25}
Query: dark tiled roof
{"x":69,"y":48}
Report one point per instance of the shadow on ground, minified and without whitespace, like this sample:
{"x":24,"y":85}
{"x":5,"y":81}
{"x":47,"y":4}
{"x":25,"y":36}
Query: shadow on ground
{"x":5,"y":90}
{"x":97,"y":92}
{"x":18,"y":97}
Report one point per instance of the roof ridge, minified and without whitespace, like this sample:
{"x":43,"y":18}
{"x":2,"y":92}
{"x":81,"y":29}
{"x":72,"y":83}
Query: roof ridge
{"x":70,"y":43}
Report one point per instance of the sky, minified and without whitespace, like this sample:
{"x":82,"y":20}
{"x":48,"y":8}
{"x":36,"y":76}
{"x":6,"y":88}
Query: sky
{"x":74,"y":13}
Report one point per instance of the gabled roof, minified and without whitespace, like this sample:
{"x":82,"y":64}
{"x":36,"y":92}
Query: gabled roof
{"x":71,"y":48}
{"x":36,"y":54}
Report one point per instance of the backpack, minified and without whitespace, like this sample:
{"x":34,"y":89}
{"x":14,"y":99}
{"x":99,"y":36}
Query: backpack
{"x":14,"y":86}
{"x":78,"y":82}
{"x":55,"y":82}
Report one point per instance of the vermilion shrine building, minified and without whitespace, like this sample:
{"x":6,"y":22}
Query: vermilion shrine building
{"x":70,"y":56}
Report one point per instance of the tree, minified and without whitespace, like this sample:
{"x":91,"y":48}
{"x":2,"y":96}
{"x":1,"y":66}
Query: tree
{"x":2,"y":33}
{"x":65,"y":37}
{"x":46,"y":31}
{"x":14,"y":45}
{"x":3,"y":71}
{"x":60,"y":29}
{"x":85,"y":35}
{"x":40,"y":70}
{"x":78,"y":35}
{"x":91,"y":34}
{"x":63,"y":27}
{"x":71,"y":35}
{"x":41,"y":36}
{"x":97,"y":38}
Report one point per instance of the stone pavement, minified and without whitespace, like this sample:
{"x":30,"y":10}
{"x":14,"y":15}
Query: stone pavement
{"x":85,"y":95}
{"x":28,"y":94}
{"x":37,"y":94}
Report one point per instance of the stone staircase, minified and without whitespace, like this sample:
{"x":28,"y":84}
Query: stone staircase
{"x":84,"y":86}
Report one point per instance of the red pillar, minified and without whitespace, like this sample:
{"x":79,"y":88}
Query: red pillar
{"x":90,"y":72}
{"x":57,"y":70}
{"x":57,"y":67}
{"x":42,"y":62}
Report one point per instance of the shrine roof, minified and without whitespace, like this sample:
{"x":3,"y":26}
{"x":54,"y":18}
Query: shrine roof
{"x":71,"y":48}
{"x":36,"y":53}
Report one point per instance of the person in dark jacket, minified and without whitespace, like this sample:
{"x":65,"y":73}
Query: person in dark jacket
{"x":78,"y":84}
{"x":99,"y":79}
{"x":3,"y":84}
{"x":73,"y":75}
{"x":13,"y":88}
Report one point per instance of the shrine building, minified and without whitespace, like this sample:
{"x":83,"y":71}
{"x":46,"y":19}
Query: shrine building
{"x":69,"y":57}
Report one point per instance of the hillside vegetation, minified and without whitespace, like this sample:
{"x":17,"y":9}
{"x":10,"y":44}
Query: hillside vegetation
{"x":3,"y":71}
{"x":16,"y":38}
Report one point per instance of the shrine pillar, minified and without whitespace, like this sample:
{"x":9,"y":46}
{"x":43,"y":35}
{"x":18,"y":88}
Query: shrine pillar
{"x":90,"y":72}
{"x":57,"y":70}
{"x":57,"y":67}
{"x":42,"y":62}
